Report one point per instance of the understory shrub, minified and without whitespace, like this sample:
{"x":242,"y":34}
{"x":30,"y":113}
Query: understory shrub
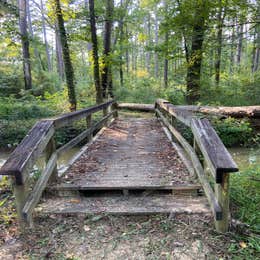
{"x":233,"y":131}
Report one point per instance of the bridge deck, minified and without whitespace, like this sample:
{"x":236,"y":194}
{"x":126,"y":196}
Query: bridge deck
{"x":130,"y":154}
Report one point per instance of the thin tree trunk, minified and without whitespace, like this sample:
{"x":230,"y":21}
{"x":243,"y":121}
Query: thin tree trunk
{"x":195,"y":57}
{"x":240,"y":42}
{"x":148,"y":54}
{"x":221,"y":17}
{"x":121,"y":31}
{"x":99,"y":97}
{"x":45,"y":38}
{"x":166,"y":62}
{"x":107,"y":49}
{"x":59,"y":59}
{"x":25,"y":43}
{"x":127,"y":52}
{"x":69,"y":72}
{"x":256,"y":50}
{"x":35,"y":49}
{"x":232,"y":57}
{"x":156,"y":59}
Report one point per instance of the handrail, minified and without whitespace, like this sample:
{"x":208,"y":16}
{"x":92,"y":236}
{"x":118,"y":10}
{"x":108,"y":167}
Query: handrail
{"x":68,"y":118}
{"x":41,"y":139}
{"x":26,"y":153}
{"x":215,"y":155}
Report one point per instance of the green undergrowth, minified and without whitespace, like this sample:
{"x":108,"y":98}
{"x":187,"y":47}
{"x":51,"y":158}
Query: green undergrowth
{"x":17,"y":116}
{"x":245,"y":204}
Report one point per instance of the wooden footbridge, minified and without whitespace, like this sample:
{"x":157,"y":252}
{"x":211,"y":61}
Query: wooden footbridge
{"x":128,"y":166}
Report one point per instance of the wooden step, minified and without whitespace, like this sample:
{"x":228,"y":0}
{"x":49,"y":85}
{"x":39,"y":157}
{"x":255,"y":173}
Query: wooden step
{"x":125,"y":205}
{"x":181,"y":188}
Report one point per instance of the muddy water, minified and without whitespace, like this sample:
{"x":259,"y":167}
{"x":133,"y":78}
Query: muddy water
{"x":245,"y":157}
{"x":63,"y":159}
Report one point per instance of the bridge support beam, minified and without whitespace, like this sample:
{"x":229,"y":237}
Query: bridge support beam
{"x":222,"y":195}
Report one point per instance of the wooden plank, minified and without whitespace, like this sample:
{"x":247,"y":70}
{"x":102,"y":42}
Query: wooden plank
{"x":181,"y":152}
{"x":79,"y":154}
{"x":136,"y":106}
{"x":215,"y":207}
{"x":84,"y":134}
{"x":127,"y":156}
{"x":27,"y":152}
{"x":215,"y":153}
{"x":68,"y":118}
{"x":40,"y":185}
{"x":183,"y":115}
{"x":121,"y":205}
{"x":113,"y":185}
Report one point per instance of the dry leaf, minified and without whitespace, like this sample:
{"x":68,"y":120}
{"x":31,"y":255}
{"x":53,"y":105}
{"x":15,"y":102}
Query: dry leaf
{"x":86,"y":228}
{"x":242,"y":244}
{"x":75,"y":201}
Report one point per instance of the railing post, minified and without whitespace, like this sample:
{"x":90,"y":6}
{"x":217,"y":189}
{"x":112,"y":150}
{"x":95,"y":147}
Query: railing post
{"x":50,"y":149}
{"x":114,"y":108}
{"x":222,"y":195}
{"x":89,"y":123}
{"x":20,"y":193}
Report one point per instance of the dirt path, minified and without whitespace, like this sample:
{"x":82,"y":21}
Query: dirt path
{"x":107,"y":237}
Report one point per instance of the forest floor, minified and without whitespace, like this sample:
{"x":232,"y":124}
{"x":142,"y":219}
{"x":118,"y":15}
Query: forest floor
{"x":97,"y":236}
{"x":126,"y":237}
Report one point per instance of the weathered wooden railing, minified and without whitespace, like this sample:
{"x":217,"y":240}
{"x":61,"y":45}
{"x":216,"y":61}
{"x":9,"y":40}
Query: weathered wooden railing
{"x":40,"y":140}
{"x":215,"y":156}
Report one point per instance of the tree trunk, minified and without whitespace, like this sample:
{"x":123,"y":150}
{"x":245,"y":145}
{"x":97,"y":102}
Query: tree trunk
{"x":59,"y":59}
{"x":69,"y":72}
{"x":121,"y":31}
{"x":148,"y":54}
{"x":232,"y":58}
{"x":25,"y":43}
{"x":35,"y":49}
{"x":240,"y":42}
{"x":256,"y":50}
{"x":99,"y":98}
{"x":106,"y":77}
{"x":166,"y":62}
{"x":156,"y":59}
{"x":195,"y":57}
{"x":45,"y":38}
{"x":221,"y":17}
{"x":127,"y":52}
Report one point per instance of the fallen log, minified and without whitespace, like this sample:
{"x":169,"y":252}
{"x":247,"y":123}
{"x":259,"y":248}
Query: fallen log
{"x":236,"y":112}
{"x":136,"y":106}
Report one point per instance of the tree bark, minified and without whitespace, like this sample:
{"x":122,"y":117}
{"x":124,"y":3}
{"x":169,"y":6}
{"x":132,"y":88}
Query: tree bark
{"x":59,"y":59}
{"x":69,"y":72}
{"x":22,"y":4}
{"x":195,"y":57}
{"x":221,"y":17}
{"x":256,"y":49}
{"x":166,"y":61}
{"x":99,"y":97}
{"x":106,"y":73}
{"x":45,"y":37}
{"x":121,"y":32}
{"x":31,"y":33}
{"x":232,"y":58}
{"x":148,"y":42}
{"x":156,"y":59}
{"x":240,"y":43}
